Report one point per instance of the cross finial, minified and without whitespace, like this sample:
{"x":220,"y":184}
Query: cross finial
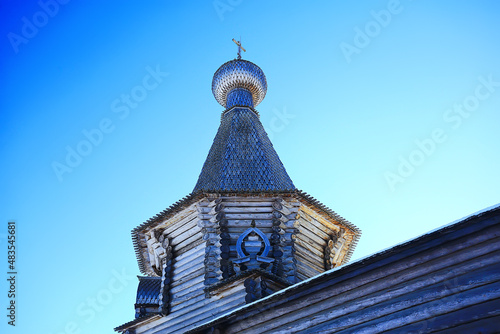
{"x":239,"y":48}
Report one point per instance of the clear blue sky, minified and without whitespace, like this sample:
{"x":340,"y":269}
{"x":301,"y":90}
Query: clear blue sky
{"x":387,"y":112}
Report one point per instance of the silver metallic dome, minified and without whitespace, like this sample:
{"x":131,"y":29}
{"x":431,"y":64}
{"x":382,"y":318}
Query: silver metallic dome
{"x":239,"y":73}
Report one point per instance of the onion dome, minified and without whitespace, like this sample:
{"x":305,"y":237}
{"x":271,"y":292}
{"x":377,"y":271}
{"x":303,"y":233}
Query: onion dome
{"x":239,"y":83}
{"x":242,"y":158}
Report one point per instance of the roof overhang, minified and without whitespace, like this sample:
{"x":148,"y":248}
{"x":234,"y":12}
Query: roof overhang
{"x":192,"y":198}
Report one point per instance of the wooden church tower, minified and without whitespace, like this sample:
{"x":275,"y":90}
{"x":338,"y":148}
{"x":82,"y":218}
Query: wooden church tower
{"x":245,"y":231}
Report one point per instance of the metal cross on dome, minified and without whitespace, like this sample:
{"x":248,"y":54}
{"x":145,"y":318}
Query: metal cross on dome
{"x":239,"y":47}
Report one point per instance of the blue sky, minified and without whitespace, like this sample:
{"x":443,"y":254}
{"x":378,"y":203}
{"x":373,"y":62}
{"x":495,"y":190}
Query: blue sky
{"x":386,"y":111}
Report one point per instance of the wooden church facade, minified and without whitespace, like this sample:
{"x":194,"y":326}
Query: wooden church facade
{"x":247,"y":252}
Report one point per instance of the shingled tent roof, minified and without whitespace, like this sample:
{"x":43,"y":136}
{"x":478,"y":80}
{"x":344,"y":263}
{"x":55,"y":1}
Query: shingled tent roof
{"x":242,"y":157}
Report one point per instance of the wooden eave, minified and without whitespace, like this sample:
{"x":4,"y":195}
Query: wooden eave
{"x":138,"y":322}
{"x":195,"y":196}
